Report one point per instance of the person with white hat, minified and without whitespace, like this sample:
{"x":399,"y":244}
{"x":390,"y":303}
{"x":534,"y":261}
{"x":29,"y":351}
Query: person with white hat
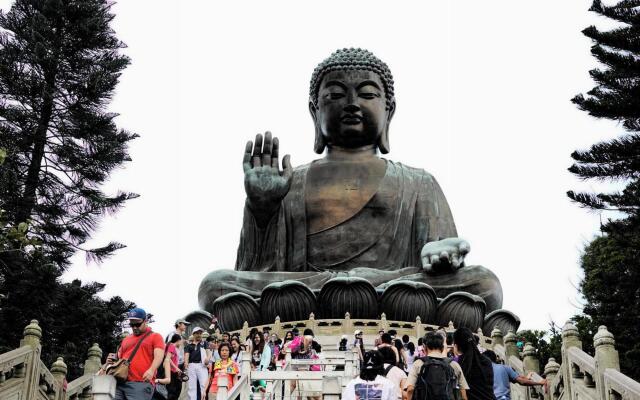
{"x":181,"y":329}
{"x":196,"y":359}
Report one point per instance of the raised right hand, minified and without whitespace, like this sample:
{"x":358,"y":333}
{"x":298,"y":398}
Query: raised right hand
{"x":264,"y":183}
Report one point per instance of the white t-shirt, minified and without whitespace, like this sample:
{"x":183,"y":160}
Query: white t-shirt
{"x":379,"y":389}
{"x":396,"y":375}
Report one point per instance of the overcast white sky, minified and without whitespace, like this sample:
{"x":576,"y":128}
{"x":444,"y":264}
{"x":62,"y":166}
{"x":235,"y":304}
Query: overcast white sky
{"x":483,"y":92}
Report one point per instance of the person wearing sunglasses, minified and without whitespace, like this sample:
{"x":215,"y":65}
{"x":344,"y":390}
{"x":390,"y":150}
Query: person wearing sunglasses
{"x":145,"y":352}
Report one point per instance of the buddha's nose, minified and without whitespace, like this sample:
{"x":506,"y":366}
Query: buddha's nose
{"x":351,"y":108}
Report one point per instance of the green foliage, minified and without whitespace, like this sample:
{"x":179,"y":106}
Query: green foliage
{"x":59,"y":64}
{"x":71,"y":315}
{"x":611,"y":288}
{"x":547,"y":343}
{"x":611,"y":263}
{"x":616,"y":97}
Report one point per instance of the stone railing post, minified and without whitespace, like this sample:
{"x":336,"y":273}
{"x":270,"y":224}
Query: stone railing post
{"x":245,"y":330}
{"x":59,"y":372}
{"x":419,"y":328}
{"x":93,"y":362}
{"x":350,"y":358}
{"x":245,"y":364}
{"x":570,"y":338}
{"x":347,"y":327}
{"x":245,"y":370}
{"x":606,"y":357}
{"x":530,"y":363}
{"x":277,"y":327}
{"x":496,"y":337}
{"x":103,"y":387}
{"x":530,"y":360}
{"x":510,"y":347}
{"x":222,"y":387}
{"x":383,"y":322}
{"x":550,"y":372}
{"x":331,"y":389}
{"x":30,"y":371}
{"x":313,"y":324}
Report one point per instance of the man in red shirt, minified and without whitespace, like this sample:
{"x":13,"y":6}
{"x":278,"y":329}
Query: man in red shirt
{"x":145,"y":362}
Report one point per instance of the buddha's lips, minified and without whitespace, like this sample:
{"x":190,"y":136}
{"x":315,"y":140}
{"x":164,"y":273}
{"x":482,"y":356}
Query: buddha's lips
{"x":351,"y":119}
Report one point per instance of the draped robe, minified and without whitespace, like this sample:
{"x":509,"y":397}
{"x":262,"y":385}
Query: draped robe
{"x":381,"y":242}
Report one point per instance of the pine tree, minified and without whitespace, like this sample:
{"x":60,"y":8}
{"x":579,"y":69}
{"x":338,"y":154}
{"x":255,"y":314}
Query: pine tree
{"x":59,"y":64}
{"x":611,"y":262}
{"x":71,"y":315}
{"x":616,"y":97}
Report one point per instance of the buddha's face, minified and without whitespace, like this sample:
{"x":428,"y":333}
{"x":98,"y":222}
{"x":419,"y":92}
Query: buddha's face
{"x":351,"y":108}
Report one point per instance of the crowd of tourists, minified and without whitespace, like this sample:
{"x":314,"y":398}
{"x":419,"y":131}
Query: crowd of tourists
{"x":442,"y":366}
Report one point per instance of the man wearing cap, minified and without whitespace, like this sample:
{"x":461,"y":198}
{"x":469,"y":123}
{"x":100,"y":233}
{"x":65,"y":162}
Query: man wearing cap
{"x":196,"y":358}
{"x":147,"y":359}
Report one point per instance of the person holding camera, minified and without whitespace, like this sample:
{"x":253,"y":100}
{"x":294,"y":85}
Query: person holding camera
{"x":144,"y":351}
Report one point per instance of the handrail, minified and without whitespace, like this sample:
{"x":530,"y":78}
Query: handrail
{"x":583,"y":360}
{"x":46,"y":374}
{"x":14,"y":357}
{"x":294,"y":375}
{"x":236,"y":390}
{"x":556,"y":384}
{"x":627,"y":388}
{"x":516,"y":364}
{"x":78,"y":385}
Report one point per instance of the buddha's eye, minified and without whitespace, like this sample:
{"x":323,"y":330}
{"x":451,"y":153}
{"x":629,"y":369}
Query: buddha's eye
{"x":368,"y":95}
{"x":336,"y":95}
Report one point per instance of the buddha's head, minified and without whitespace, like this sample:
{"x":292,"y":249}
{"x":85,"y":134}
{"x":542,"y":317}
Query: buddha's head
{"x":351,"y":100}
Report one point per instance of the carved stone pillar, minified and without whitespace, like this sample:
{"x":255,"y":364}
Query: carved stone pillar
{"x":94,"y":360}
{"x":59,"y":372}
{"x":606,"y":357}
{"x":570,"y":338}
{"x":551,"y":371}
{"x":510,"y":347}
{"x":496,"y":337}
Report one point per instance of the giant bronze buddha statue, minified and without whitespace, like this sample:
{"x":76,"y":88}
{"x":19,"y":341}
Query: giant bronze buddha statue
{"x":352,"y":231}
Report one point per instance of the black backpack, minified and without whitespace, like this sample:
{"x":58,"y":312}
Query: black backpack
{"x":436,"y":381}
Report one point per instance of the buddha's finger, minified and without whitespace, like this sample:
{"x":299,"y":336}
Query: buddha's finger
{"x":435,"y":259}
{"x":266,"y":150}
{"x":257,"y":151}
{"x":455,"y":261}
{"x":428,"y":267}
{"x":464,"y":248}
{"x":246,"y":161}
{"x":275,"y":150}
{"x":287,"y":170}
{"x":444,"y":256}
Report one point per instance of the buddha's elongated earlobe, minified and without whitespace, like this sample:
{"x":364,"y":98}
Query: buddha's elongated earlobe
{"x":383,"y":141}
{"x":319,"y":143}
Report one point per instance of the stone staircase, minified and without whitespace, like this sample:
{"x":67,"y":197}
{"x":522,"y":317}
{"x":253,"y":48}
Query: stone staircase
{"x":23,"y":376}
{"x":578,"y":376}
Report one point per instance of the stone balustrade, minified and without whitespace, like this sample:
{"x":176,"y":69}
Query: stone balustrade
{"x":580,"y":376}
{"x":23,"y":375}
